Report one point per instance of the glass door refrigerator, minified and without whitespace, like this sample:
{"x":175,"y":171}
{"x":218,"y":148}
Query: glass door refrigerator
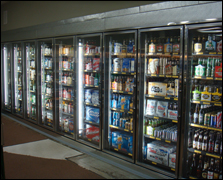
{"x":202,"y":145}
{"x":46,"y":84}
{"x":31,"y":78}
{"x":18,"y":60}
{"x":120,"y":66}
{"x":64,"y":49}
{"x":159,"y":95}
{"x":6,"y":77}
{"x":89,"y":89}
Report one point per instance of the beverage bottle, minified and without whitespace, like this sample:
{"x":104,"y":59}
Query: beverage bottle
{"x":152,"y":47}
{"x":204,"y":170}
{"x":130,"y":47}
{"x":210,"y":46}
{"x":195,"y":140}
{"x":96,"y":81}
{"x":193,"y":167}
{"x":159,"y":46}
{"x":217,"y":144}
{"x":211,"y":170}
{"x":216,"y":170}
{"x":220,"y":171}
{"x":219,"y":45}
{"x":199,"y":142}
{"x":167,"y":46}
{"x":196,"y":114}
{"x":201,"y":115}
{"x":204,"y":144}
{"x":211,"y":143}
{"x":176,"y":45}
{"x":199,"y":168}
{"x":198,"y":45}
{"x":203,"y":43}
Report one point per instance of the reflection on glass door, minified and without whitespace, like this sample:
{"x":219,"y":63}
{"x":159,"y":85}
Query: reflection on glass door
{"x":47,"y":86}
{"x":18,"y":79}
{"x":159,"y":111}
{"x":30,"y":80}
{"x":65,"y":60}
{"x":120,"y":93}
{"x":6,"y":54}
{"x":89,"y":89}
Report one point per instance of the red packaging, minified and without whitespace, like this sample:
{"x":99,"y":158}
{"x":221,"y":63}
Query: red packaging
{"x":87,"y":79}
{"x":96,"y":62}
{"x":219,"y":120}
{"x":218,"y":71}
{"x":92,"y":132}
{"x":71,"y":126}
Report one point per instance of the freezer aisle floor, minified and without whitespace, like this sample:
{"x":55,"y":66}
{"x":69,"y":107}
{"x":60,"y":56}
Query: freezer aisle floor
{"x":32,"y":152}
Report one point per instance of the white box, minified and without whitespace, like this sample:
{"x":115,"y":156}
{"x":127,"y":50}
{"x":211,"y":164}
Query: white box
{"x":172,"y":160}
{"x":157,"y":88}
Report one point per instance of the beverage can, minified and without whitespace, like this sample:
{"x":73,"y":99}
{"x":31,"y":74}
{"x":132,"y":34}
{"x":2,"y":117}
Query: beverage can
{"x":208,"y":72}
{"x":202,"y":70}
{"x":219,"y":120}
{"x":197,"y":70}
{"x":213,"y":120}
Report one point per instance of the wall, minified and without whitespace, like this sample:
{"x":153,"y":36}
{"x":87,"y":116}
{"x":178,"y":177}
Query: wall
{"x":29,"y":13}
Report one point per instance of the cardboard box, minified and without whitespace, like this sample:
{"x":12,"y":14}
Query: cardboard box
{"x":157,"y":88}
{"x":172,"y":160}
{"x":92,"y":132}
{"x":218,"y":71}
{"x":92,"y":114}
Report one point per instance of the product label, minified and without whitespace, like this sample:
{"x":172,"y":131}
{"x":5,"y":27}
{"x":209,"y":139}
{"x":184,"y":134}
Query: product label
{"x":196,"y":95}
{"x":152,"y":48}
{"x":201,"y":119}
{"x":197,"y":47}
{"x":210,"y":175}
{"x":176,"y":48}
{"x":194,"y":144}
{"x":204,"y":175}
{"x":216,"y":176}
{"x":219,"y":46}
{"x":159,"y":48}
{"x":204,"y":146}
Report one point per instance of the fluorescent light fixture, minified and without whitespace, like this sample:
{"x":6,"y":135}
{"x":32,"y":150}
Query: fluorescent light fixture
{"x":184,"y":22}
{"x":211,"y":19}
{"x":171,"y":23}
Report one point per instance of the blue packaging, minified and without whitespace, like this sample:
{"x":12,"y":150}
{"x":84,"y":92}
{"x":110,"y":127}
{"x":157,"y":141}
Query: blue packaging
{"x":126,"y":65}
{"x":130,"y":47}
{"x":95,"y":97}
{"x":88,"y":95}
{"x":132,"y":69}
{"x":111,"y":118}
{"x":92,"y":114}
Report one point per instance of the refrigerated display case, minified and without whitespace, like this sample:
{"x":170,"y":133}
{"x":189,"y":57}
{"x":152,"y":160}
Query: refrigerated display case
{"x":18,"y":60}
{"x":64,"y":49}
{"x":89,"y":91}
{"x":6,"y":77}
{"x":120,"y":66}
{"x":202,"y":146}
{"x":30,"y":91}
{"x":47,"y":83}
{"x":159,"y":95}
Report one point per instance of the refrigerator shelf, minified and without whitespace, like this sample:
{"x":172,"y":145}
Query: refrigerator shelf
{"x":159,"y":165}
{"x":161,"y":75}
{"x":70,"y":133}
{"x":90,"y":104}
{"x":122,"y":129}
{"x":92,"y":54}
{"x":87,"y":86}
{"x":47,"y":68}
{"x":122,"y":54}
{"x":90,"y":71}
{"x":210,"y":53}
{"x":159,"y":139}
{"x":161,"y":98}
{"x":70,"y":85}
{"x":123,"y":73}
{"x":70,"y":70}
{"x":207,"y":78}
{"x":122,"y":92}
{"x":67,"y":114}
{"x":205,"y":127}
{"x":204,"y":153}
{"x":121,"y":110}
{"x":92,"y":123}
{"x":119,"y":150}
{"x":47,"y":54}
{"x":88,"y":139}
{"x":155,"y":117}
{"x":207,"y":102}
{"x":164,"y":54}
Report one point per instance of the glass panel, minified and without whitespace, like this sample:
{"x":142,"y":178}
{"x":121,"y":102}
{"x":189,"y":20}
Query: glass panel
{"x":7,"y":77}
{"x":65,"y":60}
{"x":204,"y":103}
{"x":120,"y":62}
{"x":31,"y":80}
{"x":47,"y":83}
{"x":18,"y":79}
{"x":161,"y":71}
{"x":89,"y":89}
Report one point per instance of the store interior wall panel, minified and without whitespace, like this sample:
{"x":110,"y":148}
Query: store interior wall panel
{"x":122,"y":12}
{"x":162,"y":17}
{"x":166,"y":5}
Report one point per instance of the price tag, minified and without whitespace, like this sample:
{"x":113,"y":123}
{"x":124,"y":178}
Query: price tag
{"x":206,"y":103}
{"x":198,"y":102}
{"x":121,"y":110}
{"x":156,"y":117}
{"x":72,"y":133}
{"x":174,"y":121}
{"x":133,"y":73}
{"x":159,"y":53}
{"x":167,"y":53}
{"x":115,"y":149}
{"x":161,"y":75}
{"x":212,"y":155}
{"x":212,"y":52}
{"x":174,"y":76}
{"x":90,"y":121}
{"x":94,"y":71}
{"x":158,"y":139}
{"x":65,"y":131}
{"x":198,"y":77}
{"x":129,"y":154}
{"x":197,"y":151}
{"x":115,"y":72}
{"x":153,"y":74}
{"x":89,"y":139}
{"x":123,"y":73}
{"x":176,"y":99}
{"x":126,"y":130}
{"x":154,"y":163}
{"x":88,"y":103}
{"x":172,"y":169}
{"x":219,"y":52}
{"x":216,"y":104}
{"x":175,"y":53}
{"x":91,"y":85}
{"x":209,"y":78}
{"x":95,"y":105}
{"x":131,"y":131}
{"x":199,"y":53}
{"x":168,"y":76}
{"x":151,"y":96}
{"x":167,"y":97}
{"x":130,"y":93}
{"x":115,"y":91}
{"x":120,"y":91}
{"x":152,"y":137}
{"x":218,"y":79}
{"x":167,"y":141}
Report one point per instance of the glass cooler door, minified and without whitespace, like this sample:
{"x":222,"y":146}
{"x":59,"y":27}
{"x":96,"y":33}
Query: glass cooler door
{"x":120,"y":93}
{"x":47,"y":83}
{"x":18,"y":79}
{"x":203,"y":119}
{"x":160,"y":98}
{"x":6,"y":77}
{"x":30,"y":53}
{"x":89,"y":114}
{"x":65,"y":89}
